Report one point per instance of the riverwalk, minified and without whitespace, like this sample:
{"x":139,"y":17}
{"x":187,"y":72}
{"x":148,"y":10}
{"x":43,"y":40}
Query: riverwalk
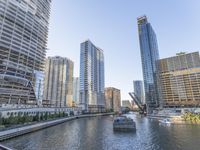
{"x":11,"y":133}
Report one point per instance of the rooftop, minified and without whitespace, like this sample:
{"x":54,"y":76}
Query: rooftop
{"x":142,"y":19}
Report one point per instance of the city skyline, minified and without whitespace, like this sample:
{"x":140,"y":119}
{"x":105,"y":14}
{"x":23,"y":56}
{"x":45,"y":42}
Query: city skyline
{"x":113,"y":48}
{"x":107,"y":27}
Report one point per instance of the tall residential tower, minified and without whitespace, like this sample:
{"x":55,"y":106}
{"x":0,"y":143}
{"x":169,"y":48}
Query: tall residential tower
{"x":149,"y":56}
{"x":91,"y":77}
{"x":23,"y":40}
{"x":58,"y":85}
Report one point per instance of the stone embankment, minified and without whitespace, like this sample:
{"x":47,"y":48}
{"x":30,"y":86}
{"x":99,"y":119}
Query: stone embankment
{"x":7,"y":134}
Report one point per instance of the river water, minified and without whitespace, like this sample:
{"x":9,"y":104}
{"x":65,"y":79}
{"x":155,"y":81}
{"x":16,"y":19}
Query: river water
{"x":96,"y":133}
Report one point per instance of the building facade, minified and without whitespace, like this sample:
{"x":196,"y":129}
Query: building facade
{"x":76,"y":84}
{"x":126,"y":103}
{"x":149,"y":56}
{"x":179,"y":80}
{"x":39,"y":86}
{"x":58,"y":83}
{"x":91,"y":77}
{"x":138,"y":90}
{"x":112,"y":99}
{"x":23,"y":40}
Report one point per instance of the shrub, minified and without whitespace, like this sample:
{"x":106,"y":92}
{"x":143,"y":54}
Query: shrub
{"x":46,"y":116}
{"x":192,"y":117}
{"x":71,"y":113}
{"x":41,"y":116}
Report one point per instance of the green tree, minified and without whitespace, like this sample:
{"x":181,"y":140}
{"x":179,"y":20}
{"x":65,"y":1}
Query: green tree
{"x":41,"y":116}
{"x":45,"y":116}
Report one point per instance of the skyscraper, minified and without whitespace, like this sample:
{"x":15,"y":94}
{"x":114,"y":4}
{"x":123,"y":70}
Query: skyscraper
{"x":112,"y":99}
{"x":179,"y":80}
{"x":58,"y":83}
{"x":76,"y":84}
{"x":138,"y":90}
{"x":149,"y":56}
{"x":23,"y":39}
{"x":91,"y":77}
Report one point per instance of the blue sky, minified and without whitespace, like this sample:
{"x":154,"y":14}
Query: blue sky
{"x":112,"y":26}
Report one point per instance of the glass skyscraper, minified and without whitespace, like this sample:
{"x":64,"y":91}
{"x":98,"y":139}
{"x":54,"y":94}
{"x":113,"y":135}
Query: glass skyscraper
{"x":91,"y":77}
{"x":138,"y":90}
{"x":76,"y":84}
{"x":23,"y":39}
{"x":149,"y":56}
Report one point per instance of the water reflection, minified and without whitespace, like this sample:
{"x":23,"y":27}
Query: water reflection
{"x":97,"y":134}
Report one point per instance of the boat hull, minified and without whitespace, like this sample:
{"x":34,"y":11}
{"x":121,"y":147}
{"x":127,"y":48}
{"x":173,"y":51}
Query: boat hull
{"x":124,"y":127}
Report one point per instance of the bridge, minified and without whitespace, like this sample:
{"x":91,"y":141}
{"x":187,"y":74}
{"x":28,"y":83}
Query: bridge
{"x":137,"y":101}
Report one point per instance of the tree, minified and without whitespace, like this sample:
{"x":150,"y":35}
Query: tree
{"x":46,"y":116}
{"x":41,"y":116}
{"x":71,"y":113}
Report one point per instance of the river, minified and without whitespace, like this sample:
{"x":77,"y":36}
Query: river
{"x":96,"y":133}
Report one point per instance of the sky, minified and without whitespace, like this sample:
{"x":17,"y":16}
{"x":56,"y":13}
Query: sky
{"x":112,"y":26}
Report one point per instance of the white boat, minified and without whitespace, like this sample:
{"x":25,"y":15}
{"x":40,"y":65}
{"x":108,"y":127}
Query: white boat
{"x":123,"y":123}
{"x":165,"y":121}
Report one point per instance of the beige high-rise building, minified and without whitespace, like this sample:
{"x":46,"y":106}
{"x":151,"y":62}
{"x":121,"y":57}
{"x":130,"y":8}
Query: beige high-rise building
{"x":179,"y":80}
{"x":58,"y":84}
{"x":112,"y":99}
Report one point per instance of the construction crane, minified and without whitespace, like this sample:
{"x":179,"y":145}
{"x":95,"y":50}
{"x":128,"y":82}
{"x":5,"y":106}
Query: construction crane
{"x":138,"y":103}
